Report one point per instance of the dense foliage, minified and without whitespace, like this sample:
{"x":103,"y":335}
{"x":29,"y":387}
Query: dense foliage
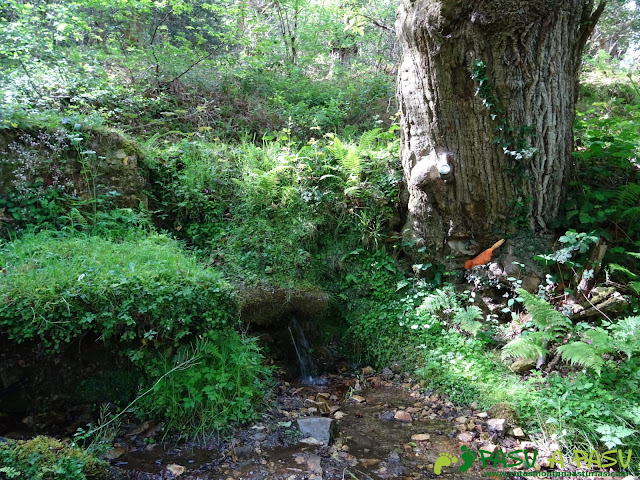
{"x":271,"y":158}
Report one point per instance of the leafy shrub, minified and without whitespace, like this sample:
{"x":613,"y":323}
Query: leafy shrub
{"x":45,"y":458}
{"x":301,"y":199}
{"x":218,"y":381}
{"x":140,"y":292}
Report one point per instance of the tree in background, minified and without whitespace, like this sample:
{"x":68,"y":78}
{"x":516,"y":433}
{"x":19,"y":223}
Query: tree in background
{"x":487,"y":92}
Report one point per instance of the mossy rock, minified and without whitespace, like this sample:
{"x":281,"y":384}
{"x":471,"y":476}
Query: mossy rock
{"x":116,"y":165}
{"x":47,"y":457}
{"x":268,"y":305}
{"x":506,"y":411}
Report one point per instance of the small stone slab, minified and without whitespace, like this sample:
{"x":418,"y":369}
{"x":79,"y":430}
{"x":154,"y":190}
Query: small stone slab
{"x":320,"y":428}
{"x":402,"y":416}
{"x":496,"y":424}
{"x":465,"y":437}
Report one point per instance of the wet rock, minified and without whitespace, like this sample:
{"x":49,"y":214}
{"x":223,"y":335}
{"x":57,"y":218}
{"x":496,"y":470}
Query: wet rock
{"x":311,"y":441}
{"x":267,"y":305}
{"x":368,"y":371}
{"x":321,"y":428}
{"x":114,"y":453}
{"x":523,"y":365}
{"x":243,"y":453}
{"x":386,"y":416}
{"x":489,"y":447}
{"x":374,"y":382}
{"x":387,"y":374}
{"x":313,"y":461}
{"x":176,"y":469}
{"x":139,"y":429}
{"x":497,"y":424}
{"x":402,"y":416}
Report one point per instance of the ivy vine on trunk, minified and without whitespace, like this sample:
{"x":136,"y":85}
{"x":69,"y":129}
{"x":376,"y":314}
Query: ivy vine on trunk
{"x":487,"y":92}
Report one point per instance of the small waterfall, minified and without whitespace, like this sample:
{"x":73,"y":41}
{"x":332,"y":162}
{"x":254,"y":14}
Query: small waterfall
{"x":308,"y":369}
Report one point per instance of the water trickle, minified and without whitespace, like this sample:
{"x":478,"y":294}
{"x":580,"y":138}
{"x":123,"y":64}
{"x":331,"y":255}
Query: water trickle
{"x":308,"y":369}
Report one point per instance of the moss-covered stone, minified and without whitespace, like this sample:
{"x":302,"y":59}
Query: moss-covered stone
{"x":37,"y":154}
{"x":48,"y":457}
{"x":506,"y":411}
{"x":266,"y":305}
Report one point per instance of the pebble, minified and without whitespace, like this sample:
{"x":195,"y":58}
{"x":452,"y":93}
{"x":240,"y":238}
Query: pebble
{"x":402,"y":416}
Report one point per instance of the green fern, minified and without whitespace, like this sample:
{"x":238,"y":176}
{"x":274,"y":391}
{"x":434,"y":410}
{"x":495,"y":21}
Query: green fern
{"x":627,"y":201}
{"x":368,"y":139}
{"x":583,"y":354}
{"x":351,"y":164}
{"x":77,"y":218}
{"x":437,"y":302}
{"x":626,"y":334}
{"x":545,"y":317}
{"x":628,"y":196}
{"x":550,"y":325}
{"x":529,"y":347}
{"x":467,"y":319}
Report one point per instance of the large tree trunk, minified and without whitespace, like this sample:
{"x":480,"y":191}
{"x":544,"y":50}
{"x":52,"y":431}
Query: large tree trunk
{"x":507,"y":140}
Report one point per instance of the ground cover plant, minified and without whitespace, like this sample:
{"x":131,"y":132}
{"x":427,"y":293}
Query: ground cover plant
{"x":276,"y":163}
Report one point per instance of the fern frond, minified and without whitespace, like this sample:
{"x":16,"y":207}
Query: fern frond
{"x":543,"y":314}
{"x":368,"y":139}
{"x":631,"y":213}
{"x":529,"y":347}
{"x":626,"y":334}
{"x":337,"y":149}
{"x":583,"y":354}
{"x":77,"y":217}
{"x":437,"y":301}
{"x":352,"y":165}
{"x":614,"y":267}
{"x":600,"y":340}
{"x":628,"y":196}
{"x":467,"y":319}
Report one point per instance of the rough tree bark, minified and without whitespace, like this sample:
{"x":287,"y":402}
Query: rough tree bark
{"x":507,"y":163}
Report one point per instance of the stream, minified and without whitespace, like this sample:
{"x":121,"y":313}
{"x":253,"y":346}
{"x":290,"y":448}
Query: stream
{"x":372,"y":440}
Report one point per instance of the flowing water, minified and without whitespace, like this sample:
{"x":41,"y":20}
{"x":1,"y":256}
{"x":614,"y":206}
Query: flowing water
{"x":308,"y":369}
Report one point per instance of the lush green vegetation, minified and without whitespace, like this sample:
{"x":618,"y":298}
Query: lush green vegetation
{"x":276,"y":163}
{"x":45,"y":458}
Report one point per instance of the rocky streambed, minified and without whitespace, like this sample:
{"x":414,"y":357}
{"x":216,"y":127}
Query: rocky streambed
{"x":374,"y":426}
{"x":377,"y":425}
